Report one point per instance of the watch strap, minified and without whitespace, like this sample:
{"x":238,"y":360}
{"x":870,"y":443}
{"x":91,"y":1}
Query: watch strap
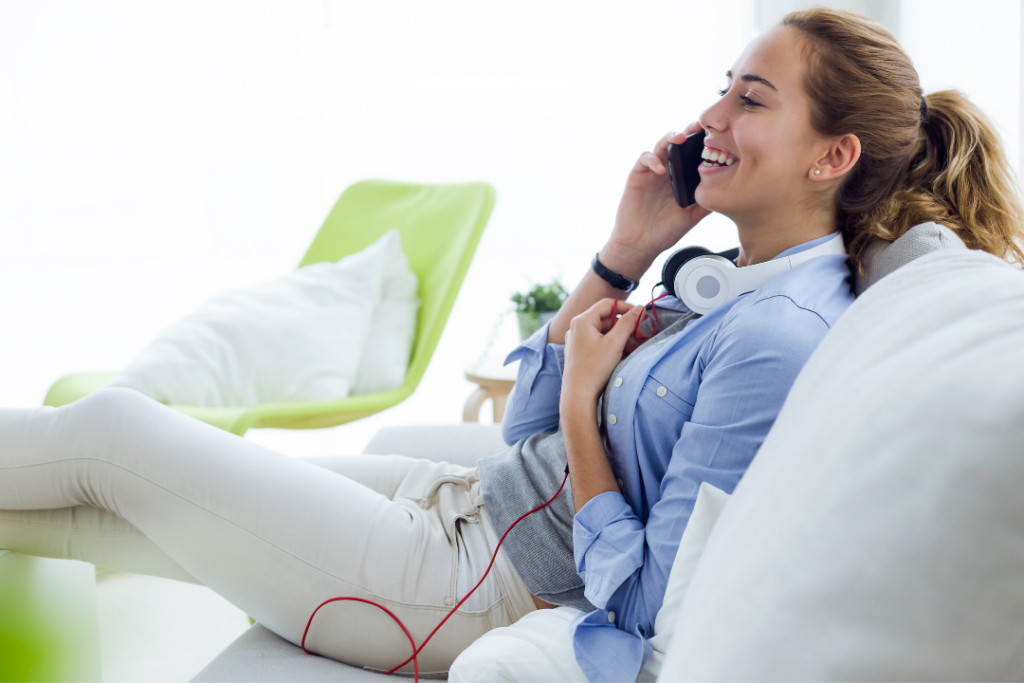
{"x":611,"y":277}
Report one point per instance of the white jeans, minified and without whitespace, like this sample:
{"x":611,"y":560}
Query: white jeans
{"x":122,"y":481}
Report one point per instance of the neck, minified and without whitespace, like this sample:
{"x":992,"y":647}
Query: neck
{"x":765,"y":237}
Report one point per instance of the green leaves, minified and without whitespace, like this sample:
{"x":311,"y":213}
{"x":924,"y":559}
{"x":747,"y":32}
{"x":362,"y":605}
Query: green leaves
{"x":541,"y":299}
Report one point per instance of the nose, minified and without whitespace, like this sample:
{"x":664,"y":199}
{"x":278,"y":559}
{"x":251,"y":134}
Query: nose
{"x":715,"y":117}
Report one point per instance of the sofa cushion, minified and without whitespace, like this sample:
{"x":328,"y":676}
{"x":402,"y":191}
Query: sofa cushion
{"x":459,"y":444}
{"x":259,"y":656}
{"x":879,"y":532}
{"x":882,"y":258}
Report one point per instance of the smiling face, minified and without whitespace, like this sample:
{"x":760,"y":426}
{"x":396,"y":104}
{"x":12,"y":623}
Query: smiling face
{"x":762,"y":125}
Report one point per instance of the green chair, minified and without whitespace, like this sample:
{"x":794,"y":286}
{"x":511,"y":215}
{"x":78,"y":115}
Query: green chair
{"x":49,"y":630}
{"x":440,"y":226}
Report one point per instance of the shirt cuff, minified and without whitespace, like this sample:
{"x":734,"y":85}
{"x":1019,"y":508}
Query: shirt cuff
{"x":534,"y":353}
{"x":536,"y":342}
{"x":608,"y":545}
{"x":603,"y":651}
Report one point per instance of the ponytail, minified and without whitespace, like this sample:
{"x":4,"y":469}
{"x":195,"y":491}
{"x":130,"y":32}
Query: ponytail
{"x":923,"y":158}
{"x":959,"y":176}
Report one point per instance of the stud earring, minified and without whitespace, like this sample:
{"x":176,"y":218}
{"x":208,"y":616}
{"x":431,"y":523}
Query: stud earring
{"x":817,"y":171}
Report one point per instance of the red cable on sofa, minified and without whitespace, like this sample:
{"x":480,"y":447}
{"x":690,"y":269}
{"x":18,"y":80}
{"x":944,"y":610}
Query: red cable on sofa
{"x":417,"y":650}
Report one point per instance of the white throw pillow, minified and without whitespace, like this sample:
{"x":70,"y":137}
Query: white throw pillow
{"x":393,"y":328}
{"x":706,"y":511}
{"x":298,"y":338}
{"x":539,"y":648}
{"x":879,"y":532}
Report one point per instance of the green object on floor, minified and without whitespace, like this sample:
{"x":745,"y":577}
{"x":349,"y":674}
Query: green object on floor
{"x":48,"y":625}
{"x":440,"y":225}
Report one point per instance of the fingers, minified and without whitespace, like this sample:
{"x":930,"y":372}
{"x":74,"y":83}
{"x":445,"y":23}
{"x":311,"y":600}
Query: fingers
{"x":624,"y":326}
{"x":678,"y":138}
{"x":651,"y":162}
{"x":661,"y":148}
{"x":619,"y":308}
{"x":604,"y":307}
{"x":599,"y":315}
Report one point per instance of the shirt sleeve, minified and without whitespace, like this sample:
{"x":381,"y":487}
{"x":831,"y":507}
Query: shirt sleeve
{"x":745,"y":376}
{"x":532,"y":406}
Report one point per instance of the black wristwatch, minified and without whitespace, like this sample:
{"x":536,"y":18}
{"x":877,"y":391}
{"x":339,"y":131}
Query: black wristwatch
{"x":611,"y":277}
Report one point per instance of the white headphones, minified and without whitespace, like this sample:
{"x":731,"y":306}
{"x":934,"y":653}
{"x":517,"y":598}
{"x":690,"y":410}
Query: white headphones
{"x":705,"y":282}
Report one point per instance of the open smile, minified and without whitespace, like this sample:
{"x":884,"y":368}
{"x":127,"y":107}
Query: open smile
{"x":715,"y":161}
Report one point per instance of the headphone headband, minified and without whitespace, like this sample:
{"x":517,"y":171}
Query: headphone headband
{"x":704,"y":281}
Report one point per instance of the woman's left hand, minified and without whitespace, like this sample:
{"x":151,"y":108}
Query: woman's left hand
{"x":593,"y":347}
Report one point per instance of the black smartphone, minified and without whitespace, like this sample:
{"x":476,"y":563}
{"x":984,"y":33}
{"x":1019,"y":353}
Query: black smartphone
{"x":683,"y":161}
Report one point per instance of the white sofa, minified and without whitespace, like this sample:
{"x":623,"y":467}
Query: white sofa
{"x":879,"y":533}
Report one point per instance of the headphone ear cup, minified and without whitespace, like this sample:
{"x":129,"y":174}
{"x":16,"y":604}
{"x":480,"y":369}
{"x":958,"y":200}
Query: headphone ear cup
{"x":676,"y":261}
{"x":704,"y":283}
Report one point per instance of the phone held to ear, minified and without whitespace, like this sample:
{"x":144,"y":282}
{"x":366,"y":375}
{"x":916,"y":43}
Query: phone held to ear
{"x":683,"y":161}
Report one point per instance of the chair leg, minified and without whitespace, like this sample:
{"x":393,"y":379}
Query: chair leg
{"x":500,"y":399}
{"x":471,"y":411}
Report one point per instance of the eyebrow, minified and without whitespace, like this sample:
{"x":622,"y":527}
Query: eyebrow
{"x":751,"y":78}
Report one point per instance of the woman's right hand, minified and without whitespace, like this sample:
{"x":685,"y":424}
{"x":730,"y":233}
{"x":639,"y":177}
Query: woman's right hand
{"x":649,"y":220}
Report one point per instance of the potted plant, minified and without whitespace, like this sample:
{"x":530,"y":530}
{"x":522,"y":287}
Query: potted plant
{"x":538,"y":306}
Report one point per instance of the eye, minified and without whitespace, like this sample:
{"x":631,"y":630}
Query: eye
{"x":746,"y":100}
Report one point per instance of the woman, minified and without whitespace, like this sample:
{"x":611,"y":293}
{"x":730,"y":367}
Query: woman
{"x":827,"y":131}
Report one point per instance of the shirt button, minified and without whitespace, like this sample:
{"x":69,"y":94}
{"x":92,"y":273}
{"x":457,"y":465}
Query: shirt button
{"x":619,"y":482}
{"x":448,"y":600}
{"x":662,"y":391}
{"x":612,"y":419}
{"x":618,"y":381}
{"x":661,"y":341}
{"x":611,"y":617}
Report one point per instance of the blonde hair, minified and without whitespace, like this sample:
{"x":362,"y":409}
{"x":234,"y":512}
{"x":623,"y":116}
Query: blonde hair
{"x":942,"y":161}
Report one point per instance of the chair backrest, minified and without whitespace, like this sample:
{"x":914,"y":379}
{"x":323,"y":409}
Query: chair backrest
{"x":440,"y":226}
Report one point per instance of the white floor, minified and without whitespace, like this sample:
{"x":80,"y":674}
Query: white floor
{"x":158,"y":630}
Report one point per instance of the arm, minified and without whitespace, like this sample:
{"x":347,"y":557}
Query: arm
{"x":648,"y":221}
{"x":532,"y":405}
{"x":624,"y":563}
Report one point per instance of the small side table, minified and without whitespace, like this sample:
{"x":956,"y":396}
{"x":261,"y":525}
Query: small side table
{"x":494,"y":382}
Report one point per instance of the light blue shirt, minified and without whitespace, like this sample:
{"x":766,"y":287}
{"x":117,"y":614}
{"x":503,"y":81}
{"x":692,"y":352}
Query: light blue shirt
{"x":694,"y":409}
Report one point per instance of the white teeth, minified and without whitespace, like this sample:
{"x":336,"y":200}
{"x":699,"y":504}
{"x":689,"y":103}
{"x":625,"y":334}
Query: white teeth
{"x":715,"y":158}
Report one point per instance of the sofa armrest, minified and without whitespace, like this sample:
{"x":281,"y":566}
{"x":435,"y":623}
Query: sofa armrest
{"x":461,"y":444}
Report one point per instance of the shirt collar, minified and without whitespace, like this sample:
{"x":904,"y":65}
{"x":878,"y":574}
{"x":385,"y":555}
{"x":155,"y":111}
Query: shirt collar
{"x":806,"y":245}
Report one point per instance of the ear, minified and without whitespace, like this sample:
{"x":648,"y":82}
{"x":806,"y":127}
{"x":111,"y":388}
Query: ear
{"x":839,"y":158}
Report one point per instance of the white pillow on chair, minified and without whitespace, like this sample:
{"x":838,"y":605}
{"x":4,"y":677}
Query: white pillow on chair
{"x":393,"y":327}
{"x":299,"y":338}
{"x":539,"y":648}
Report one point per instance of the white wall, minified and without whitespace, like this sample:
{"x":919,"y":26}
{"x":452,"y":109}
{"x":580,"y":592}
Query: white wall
{"x":153,"y":154}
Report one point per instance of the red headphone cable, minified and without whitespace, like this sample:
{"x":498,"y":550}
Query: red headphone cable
{"x":417,"y":650}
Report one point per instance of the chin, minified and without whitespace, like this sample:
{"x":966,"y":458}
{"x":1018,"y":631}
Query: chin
{"x":709,"y":199}
{"x":719,"y":201}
